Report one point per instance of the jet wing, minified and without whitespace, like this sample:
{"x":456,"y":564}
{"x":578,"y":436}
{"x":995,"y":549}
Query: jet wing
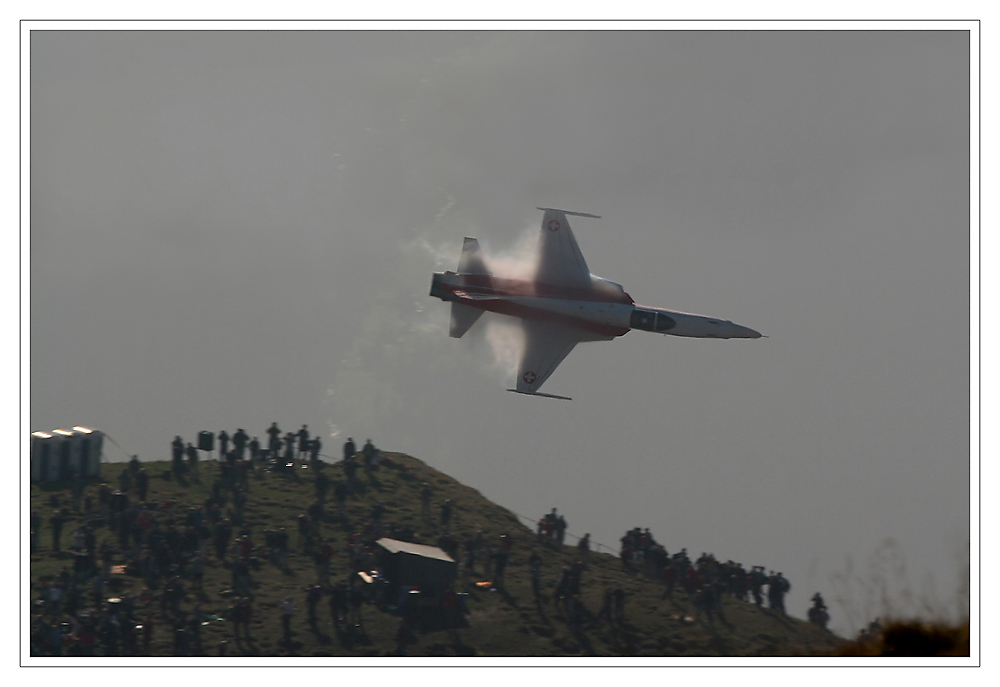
{"x":546,"y":344}
{"x":561,"y":262}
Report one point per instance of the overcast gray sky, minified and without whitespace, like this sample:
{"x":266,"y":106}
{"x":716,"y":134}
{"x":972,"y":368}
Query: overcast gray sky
{"x":235,"y":228}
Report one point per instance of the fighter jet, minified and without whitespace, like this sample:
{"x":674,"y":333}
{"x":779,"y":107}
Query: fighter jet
{"x":562,"y":306}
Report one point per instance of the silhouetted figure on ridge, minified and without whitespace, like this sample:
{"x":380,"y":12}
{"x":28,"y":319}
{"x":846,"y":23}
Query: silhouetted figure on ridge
{"x":223,"y":444}
{"x":314,"y":448}
{"x":818,"y":613}
{"x":192,"y":454}
{"x":303,"y":436}
{"x":240,"y":440}
{"x":274,"y":441}
{"x":777,"y":587}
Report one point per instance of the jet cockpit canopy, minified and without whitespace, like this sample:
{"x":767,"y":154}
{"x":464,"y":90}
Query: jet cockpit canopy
{"x":649,"y":320}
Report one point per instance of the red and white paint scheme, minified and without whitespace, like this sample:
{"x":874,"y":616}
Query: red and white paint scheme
{"x":563,"y":305}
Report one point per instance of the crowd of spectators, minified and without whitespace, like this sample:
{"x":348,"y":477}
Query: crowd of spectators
{"x":552,"y":529}
{"x":705,"y":579}
{"x":86,"y":610}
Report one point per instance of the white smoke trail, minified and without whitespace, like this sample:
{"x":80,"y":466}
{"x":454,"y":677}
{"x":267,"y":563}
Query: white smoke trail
{"x":520,"y":261}
{"x":504,"y":336}
{"x":423,"y":317}
{"x":444,"y":256}
{"x":431,"y":319}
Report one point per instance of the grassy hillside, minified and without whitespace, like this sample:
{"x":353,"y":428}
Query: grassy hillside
{"x":503,"y":622}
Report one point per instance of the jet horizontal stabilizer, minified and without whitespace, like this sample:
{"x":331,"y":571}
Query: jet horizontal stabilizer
{"x":567,"y":212}
{"x":462,"y":317}
{"x":539,"y":393}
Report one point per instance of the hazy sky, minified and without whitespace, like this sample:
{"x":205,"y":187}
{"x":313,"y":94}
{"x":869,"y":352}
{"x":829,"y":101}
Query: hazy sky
{"x":235,"y":228}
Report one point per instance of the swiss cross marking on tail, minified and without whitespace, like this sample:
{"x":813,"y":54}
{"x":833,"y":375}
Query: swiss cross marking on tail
{"x":553,"y":225}
{"x":529,"y":377}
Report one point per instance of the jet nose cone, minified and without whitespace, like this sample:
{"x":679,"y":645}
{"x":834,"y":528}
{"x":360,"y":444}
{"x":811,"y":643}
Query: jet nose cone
{"x":745,"y":332}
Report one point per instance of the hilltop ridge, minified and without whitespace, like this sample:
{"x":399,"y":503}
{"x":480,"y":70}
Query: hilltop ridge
{"x":500,"y":620}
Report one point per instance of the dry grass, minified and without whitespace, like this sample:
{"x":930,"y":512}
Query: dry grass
{"x":913,"y":623}
{"x":911,"y":638}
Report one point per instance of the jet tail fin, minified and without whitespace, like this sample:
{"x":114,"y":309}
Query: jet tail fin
{"x":471,"y":261}
{"x":462,"y":317}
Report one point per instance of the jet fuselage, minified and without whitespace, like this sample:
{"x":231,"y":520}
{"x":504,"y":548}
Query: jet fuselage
{"x":604,"y":310}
